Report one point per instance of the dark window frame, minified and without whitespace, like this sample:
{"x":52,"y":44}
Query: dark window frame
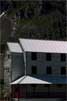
{"x":63,"y":57}
{"x":34,"y":70}
{"x":48,"y":56}
{"x":49,"y":70}
{"x":33,"y":55}
{"x":63,"y":70}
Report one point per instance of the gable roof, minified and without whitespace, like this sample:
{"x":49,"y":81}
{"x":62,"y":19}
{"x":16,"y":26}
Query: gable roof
{"x":14,"y":47}
{"x":29,"y":80}
{"x":49,"y":46}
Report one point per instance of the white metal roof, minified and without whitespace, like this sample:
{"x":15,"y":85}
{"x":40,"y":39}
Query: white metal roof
{"x":29,"y":80}
{"x":14,"y":47}
{"x":33,"y":45}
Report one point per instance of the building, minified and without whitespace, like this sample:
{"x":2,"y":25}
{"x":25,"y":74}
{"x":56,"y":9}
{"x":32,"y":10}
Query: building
{"x":38,"y":69}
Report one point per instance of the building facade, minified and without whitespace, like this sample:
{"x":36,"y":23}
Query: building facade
{"x":46,"y":64}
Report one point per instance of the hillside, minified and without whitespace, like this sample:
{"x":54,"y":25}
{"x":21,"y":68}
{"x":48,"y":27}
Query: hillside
{"x":36,"y":19}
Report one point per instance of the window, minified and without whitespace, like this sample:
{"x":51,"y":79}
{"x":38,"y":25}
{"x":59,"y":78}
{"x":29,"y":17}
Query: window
{"x":63,"y":70}
{"x":48,"y":57}
{"x":33,"y":55}
{"x":63,"y":57}
{"x":34,"y":70}
{"x":48,"y":70}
